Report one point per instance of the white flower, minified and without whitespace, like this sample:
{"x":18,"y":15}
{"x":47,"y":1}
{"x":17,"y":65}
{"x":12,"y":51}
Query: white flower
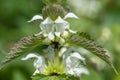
{"x":39,"y":63}
{"x":74,"y":64}
{"x":52,"y":28}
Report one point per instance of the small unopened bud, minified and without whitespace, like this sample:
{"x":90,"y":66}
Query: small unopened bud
{"x":53,"y":11}
{"x":46,"y":41}
{"x":65,"y":34}
{"x":62,"y":51}
{"x":62,"y":41}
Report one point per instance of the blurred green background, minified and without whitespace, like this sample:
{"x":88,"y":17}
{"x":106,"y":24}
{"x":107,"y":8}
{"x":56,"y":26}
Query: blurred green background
{"x":99,"y":18}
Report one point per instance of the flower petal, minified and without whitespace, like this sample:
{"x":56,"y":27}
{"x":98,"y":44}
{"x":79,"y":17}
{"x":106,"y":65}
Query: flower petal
{"x":72,"y":31}
{"x":77,"y":55}
{"x":47,"y":21}
{"x":29,"y":56}
{"x":70,"y":15}
{"x":36,"y":17}
{"x":61,"y":24}
{"x":39,"y":63}
{"x":74,"y":66}
{"x":79,"y":71}
{"x":38,"y":34}
{"x":47,"y":26}
{"x":36,"y":72}
{"x":59,"y":20}
{"x":70,"y":72}
{"x":57,"y":34}
{"x":68,"y":62}
{"x":51,"y":36}
{"x":60,"y":27}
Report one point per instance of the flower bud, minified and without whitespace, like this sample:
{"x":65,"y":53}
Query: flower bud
{"x":53,"y":11}
{"x":65,"y":34}
{"x":46,"y":41}
{"x":62,"y":41}
{"x":62,"y":50}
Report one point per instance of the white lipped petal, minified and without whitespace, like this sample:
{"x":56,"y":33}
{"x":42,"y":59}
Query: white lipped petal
{"x":70,"y":71}
{"x":68,"y":62}
{"x":77,"y":55}
{"x":79,"y":71}
{"x":39,"y":63}
{"x":60,"y":26}
{"x":70,"y":15}
{"x":59,"y":20}
{"x":61,"y":23}
{"x":36,"y":17}
{"x":29,"y":56}
{"x":47,"y":28}
{"x":77,"y":59}
{"x":47,"y":21}
{"x":74,"y":66}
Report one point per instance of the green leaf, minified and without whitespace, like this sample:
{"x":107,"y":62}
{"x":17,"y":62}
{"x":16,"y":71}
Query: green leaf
{"x":84,"y":40}
{"x":25,"y":45}
{"x":54,"y":77}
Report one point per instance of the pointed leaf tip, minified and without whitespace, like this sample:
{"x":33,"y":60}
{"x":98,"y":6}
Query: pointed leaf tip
{"x":25,"y":45}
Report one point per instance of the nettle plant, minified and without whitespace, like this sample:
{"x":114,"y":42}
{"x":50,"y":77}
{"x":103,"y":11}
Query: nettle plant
{"x":61,"y":60}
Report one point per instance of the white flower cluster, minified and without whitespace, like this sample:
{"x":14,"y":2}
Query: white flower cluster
{"x":73,"y":61}
{"x":50,"y":28}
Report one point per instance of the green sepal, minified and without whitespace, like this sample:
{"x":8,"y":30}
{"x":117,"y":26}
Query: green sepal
{"x":54,"y":77}
{"x":81,"y":39}
{"x":25,"y":45}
